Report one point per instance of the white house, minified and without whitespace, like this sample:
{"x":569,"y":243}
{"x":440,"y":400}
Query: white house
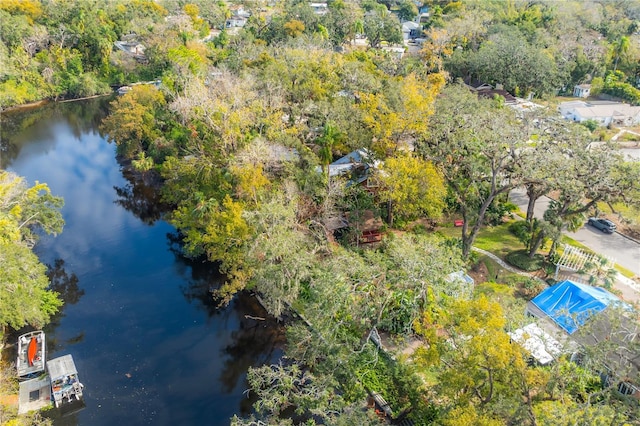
{"x":410,"y":30}
{"x":582,"y":91}
{"x":319,"y":8}
{"x":238,"y":10}
{"x":130,"y":47}
{"x":604,"y":112}
{"x":236,"y":21}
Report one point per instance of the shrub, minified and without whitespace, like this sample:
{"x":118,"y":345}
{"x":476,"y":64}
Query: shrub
{"x":520,"y":259}
{"x":491,"y":289}
{"x":520,"y":229}
{"x":531,"y":288}
{"x":590,"y":124}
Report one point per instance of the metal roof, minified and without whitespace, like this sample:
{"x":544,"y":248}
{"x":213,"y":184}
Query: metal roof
{"x":61,"y":367}
{"x":34,"y":394}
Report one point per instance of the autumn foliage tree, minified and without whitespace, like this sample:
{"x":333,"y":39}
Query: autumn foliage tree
{"x":133,"y":124}
{"x":412,"y":186}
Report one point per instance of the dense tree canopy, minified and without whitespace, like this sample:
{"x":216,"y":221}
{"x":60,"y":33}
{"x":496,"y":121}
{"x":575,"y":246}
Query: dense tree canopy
{"x":24,"y":295}
{"x":540,"y":47}
{"x":243,"y":129}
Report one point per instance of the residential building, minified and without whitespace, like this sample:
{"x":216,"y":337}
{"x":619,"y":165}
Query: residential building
{"x":567,"y":307}
{"x":604,"y":112}
{"x":319,"y":8}
{"x":582,"y":91}
{"x":411,"y":30}
{"x":542,"y":347}
{"x":236,"y":21}
{"x":130,"y":47}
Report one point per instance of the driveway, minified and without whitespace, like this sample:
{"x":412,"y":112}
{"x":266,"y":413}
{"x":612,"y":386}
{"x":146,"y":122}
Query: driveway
{"x":623,"y":251}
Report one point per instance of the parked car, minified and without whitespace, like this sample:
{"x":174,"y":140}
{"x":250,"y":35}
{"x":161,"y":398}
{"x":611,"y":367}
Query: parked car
{"x":602,"y":224}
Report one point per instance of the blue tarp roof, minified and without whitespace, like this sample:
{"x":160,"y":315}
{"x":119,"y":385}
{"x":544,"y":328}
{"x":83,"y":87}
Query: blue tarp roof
{"x":570,"y":304}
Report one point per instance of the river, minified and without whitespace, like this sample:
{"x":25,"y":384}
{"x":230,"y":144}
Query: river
{"x":150,"y":345}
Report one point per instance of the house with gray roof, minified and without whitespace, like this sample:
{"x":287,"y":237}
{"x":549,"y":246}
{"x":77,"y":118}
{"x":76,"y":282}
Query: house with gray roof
{"x":604,"y":112}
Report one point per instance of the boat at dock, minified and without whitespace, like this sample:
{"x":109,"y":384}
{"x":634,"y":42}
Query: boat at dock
{"x":65,"y":385}
{"x":31,"y":354}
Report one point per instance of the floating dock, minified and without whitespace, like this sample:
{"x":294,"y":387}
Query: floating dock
{"x":31,"y":355}
{"x":64,"y":380}
{"x":35,"y":394}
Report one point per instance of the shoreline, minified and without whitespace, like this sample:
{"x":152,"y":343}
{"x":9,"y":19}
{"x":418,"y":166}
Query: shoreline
{"x":44,"y":102}
{"x":84,"y":99}
{"x":30,"y":105}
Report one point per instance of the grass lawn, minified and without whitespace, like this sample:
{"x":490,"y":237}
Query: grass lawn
{"x":496,"y":239}
{"x":499,"y":241}
{"x":632,"y":214}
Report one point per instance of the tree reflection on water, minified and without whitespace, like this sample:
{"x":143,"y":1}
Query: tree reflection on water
{"x":21,"y":126}
{"x":66,"y":285}
{"x":141,"y":195}
{"x":258,"y":338}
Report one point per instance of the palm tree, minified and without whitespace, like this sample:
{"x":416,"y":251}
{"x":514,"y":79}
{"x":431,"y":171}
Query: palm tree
{"x":620,"y":48}
{"x":601,"y":272}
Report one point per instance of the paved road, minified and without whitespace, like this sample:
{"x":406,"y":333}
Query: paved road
{"x":631,"y":153}
{"x":622,"y":250}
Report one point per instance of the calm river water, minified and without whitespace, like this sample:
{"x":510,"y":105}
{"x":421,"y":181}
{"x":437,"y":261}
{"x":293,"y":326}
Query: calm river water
{"x":149,"y":344}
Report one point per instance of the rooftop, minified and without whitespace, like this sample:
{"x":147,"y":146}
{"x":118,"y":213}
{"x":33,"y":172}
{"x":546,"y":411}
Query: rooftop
{"x":541,"y":345}
{"x":571,"y":304}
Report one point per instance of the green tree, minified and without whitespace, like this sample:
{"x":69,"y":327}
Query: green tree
{"x":280,"y":254}
{"x":477,"y":148}
{"x":382,"y":26}
{"x":407,"y":10}
{"x":481,"y":373}
{"x":508,"y":59}
{"x":132,"y":124}
{"x":590,"y":175}
{"x":218,"y":230}
{"x":24,"y":209}
{"x":24,"y":295}
{"x":281,"y":387}
{"x":619,"y":48}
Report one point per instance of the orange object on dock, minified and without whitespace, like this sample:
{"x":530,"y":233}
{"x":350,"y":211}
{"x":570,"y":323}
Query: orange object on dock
{"x":31,"y":352}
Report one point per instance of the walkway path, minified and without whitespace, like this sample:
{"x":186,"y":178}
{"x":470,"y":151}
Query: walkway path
{"x":622,"y":132}
{"x":503,"y":264}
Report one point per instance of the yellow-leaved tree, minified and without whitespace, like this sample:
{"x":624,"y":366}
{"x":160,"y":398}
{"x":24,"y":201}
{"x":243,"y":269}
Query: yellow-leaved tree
{"x":395,"y":125}
{"x":412,"y":187}
{"x":25,"y":297}
{"x":483,"y":378}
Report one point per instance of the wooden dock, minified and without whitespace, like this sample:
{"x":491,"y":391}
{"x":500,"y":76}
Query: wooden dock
{"x":35,"y":394}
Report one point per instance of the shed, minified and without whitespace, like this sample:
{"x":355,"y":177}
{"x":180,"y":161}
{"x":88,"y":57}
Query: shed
{"x":569,"y":305}
{"x":356,"y":165}
{"x":460,"y":284}
{"x":582,"y":90}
